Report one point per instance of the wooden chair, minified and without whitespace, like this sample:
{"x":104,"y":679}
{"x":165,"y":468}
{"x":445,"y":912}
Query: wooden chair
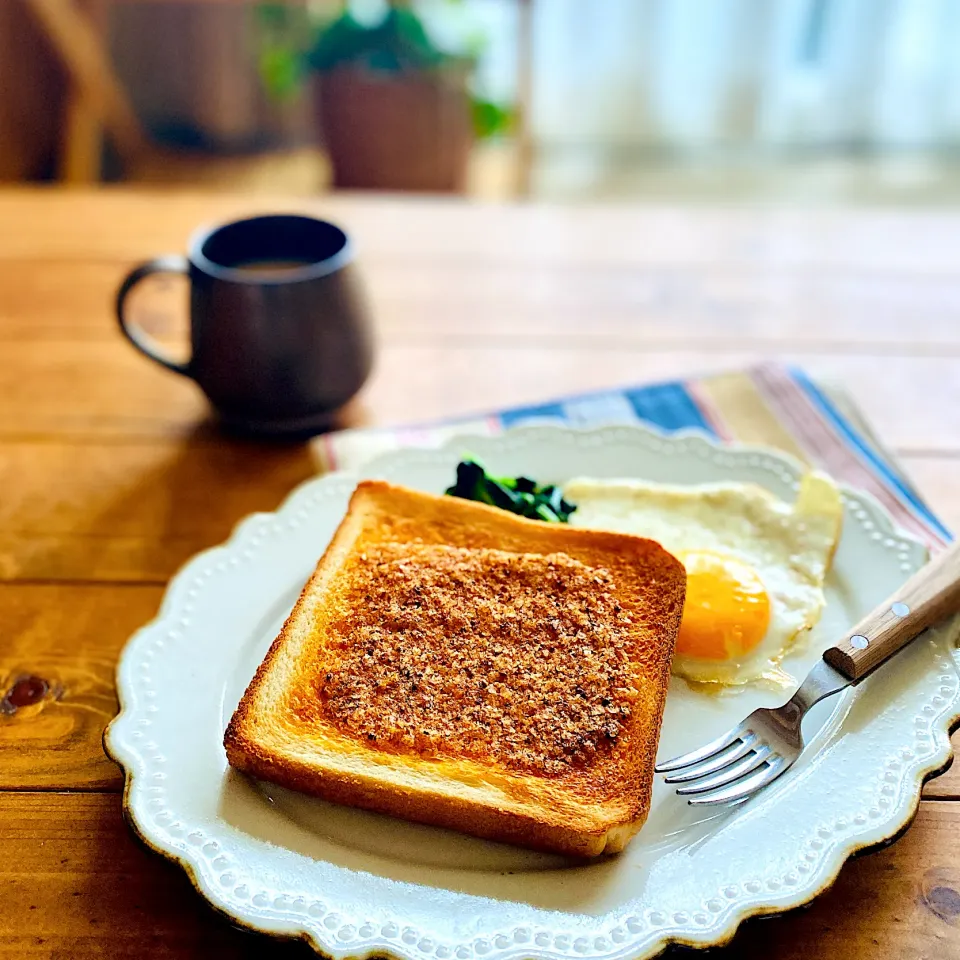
{"x":97,"y":103}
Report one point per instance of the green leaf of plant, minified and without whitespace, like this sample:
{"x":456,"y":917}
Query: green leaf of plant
{"x":281,"y":72}
{"x":490,"y":119}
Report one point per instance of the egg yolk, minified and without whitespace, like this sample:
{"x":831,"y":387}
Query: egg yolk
{"x":727,"y":609}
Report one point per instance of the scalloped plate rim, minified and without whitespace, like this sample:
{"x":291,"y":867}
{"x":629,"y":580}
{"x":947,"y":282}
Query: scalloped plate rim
{"x":126,"y":756}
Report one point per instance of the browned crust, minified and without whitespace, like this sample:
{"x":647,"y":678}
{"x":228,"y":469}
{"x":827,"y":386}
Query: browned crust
{"x":455,"y":813}
{"x":587,"y":812}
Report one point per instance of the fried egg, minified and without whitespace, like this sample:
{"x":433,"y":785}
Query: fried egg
{"x":755,"y":565}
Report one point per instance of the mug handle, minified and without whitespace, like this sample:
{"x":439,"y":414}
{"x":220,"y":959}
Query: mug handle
{"x":168,"y":264}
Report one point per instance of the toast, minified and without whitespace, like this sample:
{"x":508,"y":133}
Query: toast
{"x":453,"y":664}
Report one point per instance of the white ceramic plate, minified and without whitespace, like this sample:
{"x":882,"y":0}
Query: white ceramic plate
{"x":355,"y":884}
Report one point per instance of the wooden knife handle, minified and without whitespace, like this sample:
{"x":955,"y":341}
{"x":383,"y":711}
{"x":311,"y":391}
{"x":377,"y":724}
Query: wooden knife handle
{"x":930,"y":595}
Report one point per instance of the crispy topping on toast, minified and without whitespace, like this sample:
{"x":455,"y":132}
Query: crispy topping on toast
{"x":505,"y":657}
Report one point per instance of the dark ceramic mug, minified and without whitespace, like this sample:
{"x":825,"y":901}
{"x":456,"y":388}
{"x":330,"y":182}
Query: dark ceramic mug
{"x":279,"y":328}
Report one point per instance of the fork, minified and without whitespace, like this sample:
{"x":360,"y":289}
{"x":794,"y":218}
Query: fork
{"x":753,"y":754}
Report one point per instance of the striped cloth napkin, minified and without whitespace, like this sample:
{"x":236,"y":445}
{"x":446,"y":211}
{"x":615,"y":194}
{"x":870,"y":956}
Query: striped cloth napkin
{"x":769,"y":404}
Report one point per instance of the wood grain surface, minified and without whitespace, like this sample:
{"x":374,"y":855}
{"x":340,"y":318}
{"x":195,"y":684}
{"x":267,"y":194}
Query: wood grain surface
{"x":112,"y":475}
{"x":116,"y":899}
{"x":62,"y":642}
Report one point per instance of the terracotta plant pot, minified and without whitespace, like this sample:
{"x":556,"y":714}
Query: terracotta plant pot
{"x":396,"y":131}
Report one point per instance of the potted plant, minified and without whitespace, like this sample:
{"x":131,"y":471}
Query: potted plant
{"x":395,"y":110}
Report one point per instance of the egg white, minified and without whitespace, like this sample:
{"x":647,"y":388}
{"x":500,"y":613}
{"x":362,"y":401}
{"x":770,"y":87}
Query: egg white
{"x":789,"y":546}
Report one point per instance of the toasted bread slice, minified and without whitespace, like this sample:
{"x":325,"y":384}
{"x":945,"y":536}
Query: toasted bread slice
{"x":453,"y":664}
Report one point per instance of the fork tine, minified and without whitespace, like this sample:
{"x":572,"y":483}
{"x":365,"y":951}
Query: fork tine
{"x":703,"y":753}
{"x":716,"y":762}
{"x":744,"y":788}
{"x":729,"y":774}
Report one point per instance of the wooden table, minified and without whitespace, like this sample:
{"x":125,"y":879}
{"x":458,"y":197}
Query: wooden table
{"x":111,"y":477}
